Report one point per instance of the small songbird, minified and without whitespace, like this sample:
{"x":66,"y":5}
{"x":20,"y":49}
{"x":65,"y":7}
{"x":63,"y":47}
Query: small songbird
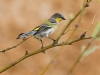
{"x":44,"y":29}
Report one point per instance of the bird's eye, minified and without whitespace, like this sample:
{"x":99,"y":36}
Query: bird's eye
{"x":59,"y":15}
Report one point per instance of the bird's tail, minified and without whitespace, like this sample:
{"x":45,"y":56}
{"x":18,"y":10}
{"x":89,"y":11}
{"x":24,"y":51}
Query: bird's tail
{"x":24,"y":35}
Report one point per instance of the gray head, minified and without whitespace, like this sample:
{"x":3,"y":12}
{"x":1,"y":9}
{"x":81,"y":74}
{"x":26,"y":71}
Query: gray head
{"x":59,"y":17}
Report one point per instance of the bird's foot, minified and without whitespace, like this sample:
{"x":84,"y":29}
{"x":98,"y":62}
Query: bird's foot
{"x":43,"y":51}
{"x":54,"y":42}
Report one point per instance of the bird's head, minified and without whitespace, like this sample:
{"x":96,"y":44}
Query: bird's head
{"x":59,"y":17}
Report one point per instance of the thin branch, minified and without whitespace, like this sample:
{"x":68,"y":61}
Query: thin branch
{"x":48,"y":65}
{"x":80,"y":56}
{"x":65,"y":28}
{"x":92,"y":23}
{"x":62,"y":33}
{"x":47,"y":47}
{"x":40,"y":50}
{"x":57,"y":53}
{"x":83,"y":35}
{"x":15,"y":46}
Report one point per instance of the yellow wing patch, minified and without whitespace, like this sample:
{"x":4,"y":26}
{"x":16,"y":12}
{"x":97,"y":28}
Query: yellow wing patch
{"x":36,"y":28}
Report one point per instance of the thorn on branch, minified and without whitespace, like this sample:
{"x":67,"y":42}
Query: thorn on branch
{"x":87,"y":5}
{"x":83,"y":35}
{"x":43,"y":52}
{"x":3,"y":51}
{"x":26,"y":52}
{"x":76,"y":25}
{"x":15,"y":46}
{"x":70,"y":43}
{"x":14,"y":63}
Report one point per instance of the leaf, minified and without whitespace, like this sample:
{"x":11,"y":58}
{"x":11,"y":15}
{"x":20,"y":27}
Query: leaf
{"x":83,"y":47}
{"x":97,"y":0}
{"x":88,"y":52}
{"x":71,"y":15}
{"x":96,"y":30}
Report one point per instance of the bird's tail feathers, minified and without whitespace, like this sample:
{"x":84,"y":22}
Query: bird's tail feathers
{"x":24,"y":35}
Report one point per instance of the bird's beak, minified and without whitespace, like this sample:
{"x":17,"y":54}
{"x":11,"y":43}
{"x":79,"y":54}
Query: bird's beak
{"x":63,"y":18}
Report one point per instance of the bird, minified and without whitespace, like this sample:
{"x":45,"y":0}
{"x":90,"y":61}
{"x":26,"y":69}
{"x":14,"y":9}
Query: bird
{"x":45,"y":29}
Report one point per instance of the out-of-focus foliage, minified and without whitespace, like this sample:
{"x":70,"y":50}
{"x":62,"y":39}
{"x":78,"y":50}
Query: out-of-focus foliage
{"x":97,"y":0}
{"x":71,"y":15}
{"x":96,"y":30}
{"x":88,"y":52}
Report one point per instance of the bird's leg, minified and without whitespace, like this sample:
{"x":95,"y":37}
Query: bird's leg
{"x":54,"y":41}
{"x":42,"y":45}
{"x":40,"y":39}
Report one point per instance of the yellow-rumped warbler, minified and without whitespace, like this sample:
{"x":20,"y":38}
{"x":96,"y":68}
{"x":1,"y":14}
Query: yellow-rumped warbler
{"x":45,"y":29}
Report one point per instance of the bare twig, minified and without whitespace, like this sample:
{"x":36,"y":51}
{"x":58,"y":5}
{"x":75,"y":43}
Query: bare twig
{"x":80,"y":56}
{"x":65,"y":28}
{"x":61,"y":48}
{"x":38,"y":51}
{"x":83,"y":35}
{"x":58,"y":36}
{"x":15,"y":46}
{"x":92,"y":23}
{"x":49,"y":46}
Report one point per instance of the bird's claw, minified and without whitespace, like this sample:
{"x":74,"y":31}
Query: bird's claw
{"x":42,"y":48}
{"x":54,"y":42}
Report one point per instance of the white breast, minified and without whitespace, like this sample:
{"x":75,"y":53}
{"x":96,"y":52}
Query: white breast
{"x":49,"y":31}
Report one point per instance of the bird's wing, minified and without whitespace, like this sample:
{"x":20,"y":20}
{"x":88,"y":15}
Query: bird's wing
{"x":42,"y":28}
